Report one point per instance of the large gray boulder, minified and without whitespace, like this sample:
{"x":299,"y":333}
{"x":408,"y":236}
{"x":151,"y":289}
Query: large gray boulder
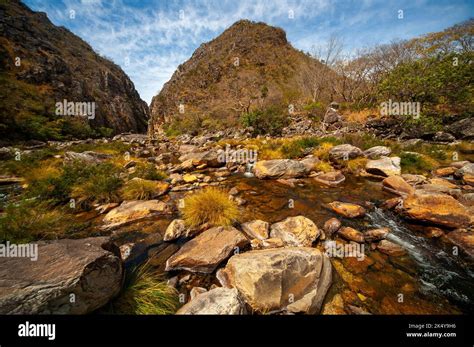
{"x":68,"y":277}
{"x":295,"y":231}
{"x":280,"y":168}
{"x":293,"y":279}
{"x":345,"y":152}
{"x":220,"y":300}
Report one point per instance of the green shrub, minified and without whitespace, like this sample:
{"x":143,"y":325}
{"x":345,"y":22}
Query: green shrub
{"x":269,"y":121}
{"x":416,"y":163}
{"x":30,"y":220}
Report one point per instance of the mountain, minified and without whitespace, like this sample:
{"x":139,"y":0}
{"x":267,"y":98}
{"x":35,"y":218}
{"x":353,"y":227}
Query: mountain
{"x":42,"y":64}
{"x":250,"y":65}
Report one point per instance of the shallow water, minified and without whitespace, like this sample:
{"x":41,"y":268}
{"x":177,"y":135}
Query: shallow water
{"x":442,"y":282}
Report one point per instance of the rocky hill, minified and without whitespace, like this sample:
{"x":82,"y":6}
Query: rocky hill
{"x":250,"y":65}
{"x":42,"y":64}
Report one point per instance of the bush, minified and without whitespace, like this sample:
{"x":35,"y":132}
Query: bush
{"x":100,"y":186}
{"x":416,"y":163}
{"x":270,"y":121}
{"x":140,"y":189}
{"x":210,"y":205}
{"x":146,"y":293}
{"x":148,"y":171}
{"x":29,"y":220}
{"x":296,"y":148}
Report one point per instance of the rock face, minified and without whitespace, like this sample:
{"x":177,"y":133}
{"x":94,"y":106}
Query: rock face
{"x":385,"y":166}
{"x":90,"y":268}
{"x":216,"y":301}
{"x":347,"y":209}
{"x":207,"y":250}
{"x":345,"y":152}
{"x":295,"y":231}
{"x":280,"y":168}
{"x":239,"y":63}
{"x":69,"y":67}
{"x":132,"y":211}
{"x":294,"y":279}
{"x":440,"y":209}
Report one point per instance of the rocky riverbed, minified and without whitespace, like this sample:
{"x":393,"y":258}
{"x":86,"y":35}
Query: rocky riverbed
{"x":362,"y":237}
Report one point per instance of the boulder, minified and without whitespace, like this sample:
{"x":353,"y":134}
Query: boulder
{"x":294,"y":279}
{"x":176,"y":229}
{"x":384,"y":167}
{"x":89,"y":157}
{"x":462,"y":129}
{"x":273,"y":242}
{"x":295,"y":231}
{"x":345,"y":152}
{"x":215,"y":301}
{"x":310,"y":162}
{"x":351,"y":234}
{"x":332,"y":178}
{"x":134,"y":210}
{"x":466,"y":169}
{"x":464,"y":239}
{"x":331,"y":226}
{"x":280,"y":168}
{"x":373,"y":235}
{"x":207,"y":250}
{"x":436,"y":208}
{"x":377,"y":152}
{"x":445,"y":171}
{"x":397,"y":185}
{"x":256,"y":229}
{"x":390,"y":248}
{"x":90,"y":269}
{"x":347,"y":209}
{"x":210,"y":158}
{"x":332,"y":116}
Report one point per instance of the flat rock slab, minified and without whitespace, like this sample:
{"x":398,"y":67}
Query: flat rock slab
{"x":134,"y":210}
{"x":295,"y":279}
{"x":295,"y":231}
{"x":280,"y":168}
{"x":90,"y":270}
{"x":207,"y":250}
{"x":384,"y":166}
{"x":440,"y":209}
{"x":347,"y":209}
{"x":223,"y":301}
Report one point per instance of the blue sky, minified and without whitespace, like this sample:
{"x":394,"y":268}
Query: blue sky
{"x":150,"y":38}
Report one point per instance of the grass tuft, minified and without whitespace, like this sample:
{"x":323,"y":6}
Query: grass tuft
{"x":210,"y":205}
{"x":145,"y":293}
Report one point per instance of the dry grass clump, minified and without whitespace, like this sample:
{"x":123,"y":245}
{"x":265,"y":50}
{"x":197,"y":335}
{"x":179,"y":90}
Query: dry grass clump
{"x":146,"y":293}
{"x":210,"y":205}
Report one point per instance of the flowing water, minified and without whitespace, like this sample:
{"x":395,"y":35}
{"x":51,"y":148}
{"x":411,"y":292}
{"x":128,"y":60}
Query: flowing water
{"x":431,"y":276}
